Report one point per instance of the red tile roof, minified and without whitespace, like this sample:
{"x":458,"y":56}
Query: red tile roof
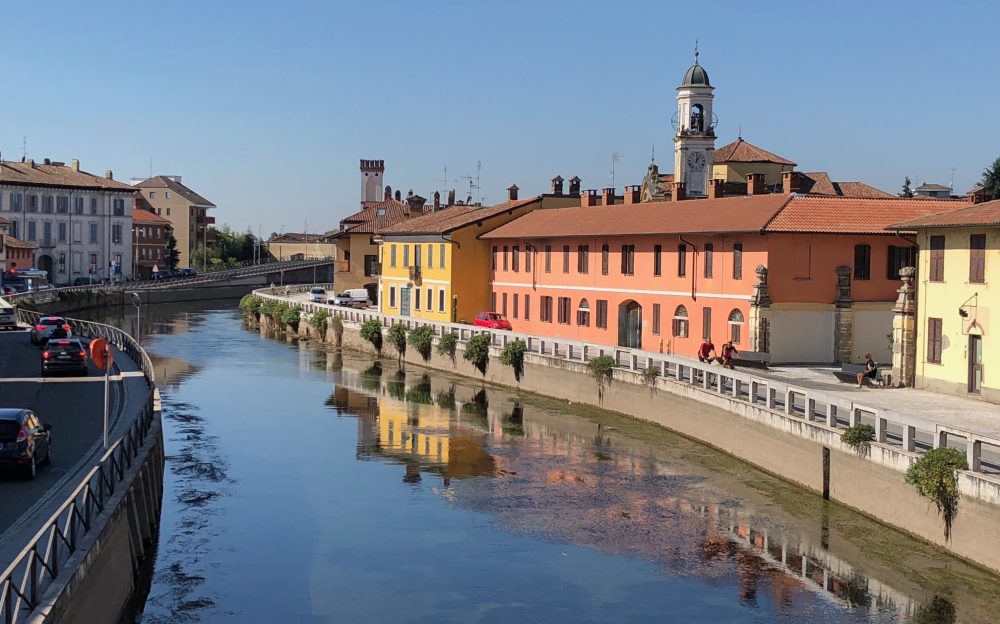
{"x":860,"y":189}
{"x":10,"y":241}
{"x":144,"y":216}
{"x":167,"y":182}
{"x":848,"y":215}
{"x":974,"y":215}
{"x":374,"y":216}
{"x":56,"y":175}
{"x":450,"y":219}
{"x":741,"y":151}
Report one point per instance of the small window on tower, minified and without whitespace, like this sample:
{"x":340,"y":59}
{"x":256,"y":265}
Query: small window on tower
{"x":380,"y":211}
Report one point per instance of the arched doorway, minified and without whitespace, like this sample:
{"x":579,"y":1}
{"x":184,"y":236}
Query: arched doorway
{"x":45,"y":263}
{"x":630,"y":324}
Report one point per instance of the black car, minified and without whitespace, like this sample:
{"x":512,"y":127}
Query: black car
{"x":64,"y":354}
{"x":188,"y":272}
{"x":86,"y":281}
{"x":25,"y":442}
{"x":161,"y":274}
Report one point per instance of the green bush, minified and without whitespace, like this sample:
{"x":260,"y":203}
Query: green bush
{"x":447,"y":345}
{"x":477,"y":351}
{"x":397,"y":337}
{"x":318,"y":321}
{"x":602,"y":370}
{"x":371,"y":330}
{"x":859,"y":438}
{"x":338,"y":327}
{"x":291,"y":315}
{"x":421,"y":339}
{"x":251,"y":304}
{"x":934,"y":475}
{"x":649,"y":376}
{"x":513,"y":355}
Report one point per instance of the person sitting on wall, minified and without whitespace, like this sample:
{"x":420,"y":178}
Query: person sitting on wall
{"x":728,"y":351}
{"x":706,"y":352}
{"x":870,"y":372}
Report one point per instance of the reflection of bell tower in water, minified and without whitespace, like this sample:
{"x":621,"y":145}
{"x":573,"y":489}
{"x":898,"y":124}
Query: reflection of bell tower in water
{"x":694,"y":142}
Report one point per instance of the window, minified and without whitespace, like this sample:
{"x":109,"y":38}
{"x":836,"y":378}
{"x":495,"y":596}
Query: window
{"x":441,"y":300}
{"x":93,"y":261}
{"x":62,"y":262}
{"x":506,"y":252}
{"x":116,"y":233}
{"x":62,"y":204}
{"x":93,"y":232}
{"x":548,"y":258}
{"x":709,"y":259}
{"x":899,"y":257}
{"x":680,"y":328}
{"x":546,"y":309}
{"x":515,"y":305}
{"x":494,"y":258}
{"x":441,"y":254}
{"x":862,"y":262}
{"x":392,"y":296}
{"x":937,"y":259}
{"x":605,"y":258}
{"x":416,"y":298}
{"x":493,"y":302}
{"x":119,"y":207}
{"x":32,"y":231}
{"x":564,"y":307}
{"x":735,"y":325}
{"x":62,"y":232}
{"x":13,"y":229}
{"x":515,"y":258}
{"x":93,"y":206}
{"x":706,"y":323}
{"x":503,"y":298}
{"x":406,"y":255}
{"x":656,"y":319}
{"x":934,"y":340}
{"x":371,"y":265}
{"x":528,"y":252}
{"x":16,"y":202}
{"x":152,"y":194}
{"x":583,"y":314}
{"x":430,"y":256}
{"x":602,"y":313}
{"x":32,"y":203}
{"x":565,"y":258}
{"x":430,"y":299}
{"x":47,"y":232}
{"x":682,"y":260}
{"x":78,"y":205}
{"x":416,"y":256}
{"x":657,"y":260}
{"x":977,"y":258}
{"x":392,"y":255}
{"x":166,"y":194}
{"x":582,"y":259}
{"x":527,"y":307}
{"x":47,"y":204}
{"x":737,"y":261}
{"x":628,"y":259}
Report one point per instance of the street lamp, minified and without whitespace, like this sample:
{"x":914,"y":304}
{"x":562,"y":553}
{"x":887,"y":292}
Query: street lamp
{"x":137,"y":302}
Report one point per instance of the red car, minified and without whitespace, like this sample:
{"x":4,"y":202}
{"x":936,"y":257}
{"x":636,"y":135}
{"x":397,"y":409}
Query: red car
{"x":492,"y":320}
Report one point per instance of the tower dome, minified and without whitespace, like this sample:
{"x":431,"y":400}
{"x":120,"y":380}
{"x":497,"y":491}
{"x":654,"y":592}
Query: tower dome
{"x":696,"y":76}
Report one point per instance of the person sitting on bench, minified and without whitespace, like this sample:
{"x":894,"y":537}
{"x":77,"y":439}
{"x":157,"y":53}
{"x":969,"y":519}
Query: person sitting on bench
{"x":706,"y":352}
{"x":870,"y":372}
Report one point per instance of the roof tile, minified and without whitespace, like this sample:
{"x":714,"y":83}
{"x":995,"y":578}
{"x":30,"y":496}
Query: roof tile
{"x":449,"y":219}
{"x":850,"y":215}
{"x":742,"y":151}
{"x":55,"y":175}
{"x":984,"y":214}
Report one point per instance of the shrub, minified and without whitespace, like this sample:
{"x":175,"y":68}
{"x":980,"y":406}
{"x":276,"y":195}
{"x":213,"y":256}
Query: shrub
{"x":318,"y":321}
{"x":934,"y":476}
{"x":649,"y":377}
{"x":859,"y":438}
{"x":371,"y":330}
{"x":397,"y":337}
{"x":477,"y":351}
{"x":291,"y":315}
{"x":602,"y":370}
{"x":338,"y":327}
{"x":251,"y":304}
{"x":421,"y":339}
{"x":513,"y":356}
{"x":447,"y":345}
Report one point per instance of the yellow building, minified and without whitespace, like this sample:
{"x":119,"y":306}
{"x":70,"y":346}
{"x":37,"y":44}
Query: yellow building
{"x":958,"y":300}
{"x":434,"y":266}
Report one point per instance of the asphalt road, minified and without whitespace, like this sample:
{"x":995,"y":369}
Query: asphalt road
{"x":74,"y":405}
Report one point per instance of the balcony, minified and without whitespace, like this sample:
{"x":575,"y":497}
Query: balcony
{"x":415,"y":274}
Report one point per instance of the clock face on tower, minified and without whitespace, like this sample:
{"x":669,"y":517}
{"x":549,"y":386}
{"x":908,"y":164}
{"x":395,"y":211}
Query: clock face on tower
{"x":696,"y":161}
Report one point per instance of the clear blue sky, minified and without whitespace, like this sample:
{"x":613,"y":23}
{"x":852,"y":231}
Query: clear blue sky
{"x":266,"y":107}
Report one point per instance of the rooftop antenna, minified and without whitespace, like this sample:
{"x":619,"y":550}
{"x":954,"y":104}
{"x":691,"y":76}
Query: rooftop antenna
{"x":952,"y":185}
{"x":151,"y":167}
{"x":474,"y":183}
{"x":739,"y":133}
{"x":446,"y":181}
{"x":652,"y":154}
{"x":695,"y":50}
{"x":24,"y":148}
{"x":615,"y":157}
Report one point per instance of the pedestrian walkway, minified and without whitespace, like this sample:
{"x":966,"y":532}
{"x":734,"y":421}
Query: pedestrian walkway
{"x":931,"y":408}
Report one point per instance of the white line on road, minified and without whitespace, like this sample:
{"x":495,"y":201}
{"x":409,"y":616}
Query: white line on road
{"x":99,"y":378}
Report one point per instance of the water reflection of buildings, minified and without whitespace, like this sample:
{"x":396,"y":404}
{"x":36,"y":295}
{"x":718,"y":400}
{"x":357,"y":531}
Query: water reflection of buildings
{"x":562,"y":479}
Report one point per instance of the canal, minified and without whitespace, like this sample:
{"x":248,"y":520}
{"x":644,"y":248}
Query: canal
{"x":305,"y":484}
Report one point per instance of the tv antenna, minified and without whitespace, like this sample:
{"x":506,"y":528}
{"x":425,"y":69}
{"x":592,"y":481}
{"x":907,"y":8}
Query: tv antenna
{"x":615,"y":157}
{"x":446,"y":181}
{"x":24,"y":148}
{"x":474,"y":183}
{"x":952,"y":184}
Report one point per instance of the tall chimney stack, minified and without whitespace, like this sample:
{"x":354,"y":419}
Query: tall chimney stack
{"x":633,"y":194}
{"x":75,"y":164}
{"x":588,"y":198}
{"x":108,"y":174}
{"x":608,"y":196}
{"x":677,"y":192}
{"x":755,"y":184}
{"x":716,"y":188}
{"x":451,"y":197}
{"x":557,"y":185}
{"x":437,"y":200}
{"x":574,"y":185}
{"x":512,"y":192}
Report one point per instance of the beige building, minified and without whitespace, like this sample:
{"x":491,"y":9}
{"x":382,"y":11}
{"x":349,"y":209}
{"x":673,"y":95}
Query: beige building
{"x":296,"y":246}
{"x":186,"y":210}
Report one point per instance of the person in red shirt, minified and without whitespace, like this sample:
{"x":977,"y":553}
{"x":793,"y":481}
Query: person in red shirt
{"x":706,"y":351}
{"x":728,"y":351}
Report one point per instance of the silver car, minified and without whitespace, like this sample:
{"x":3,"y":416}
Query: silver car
{"x":46,"y":325}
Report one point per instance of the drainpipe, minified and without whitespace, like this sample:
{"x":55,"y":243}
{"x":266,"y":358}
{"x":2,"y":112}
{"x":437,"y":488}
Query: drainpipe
{"x":694,"y":266}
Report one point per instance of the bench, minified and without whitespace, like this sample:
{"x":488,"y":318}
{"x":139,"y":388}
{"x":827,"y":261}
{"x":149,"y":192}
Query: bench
{"x":752,"y":359}
{"x":848,"y":373}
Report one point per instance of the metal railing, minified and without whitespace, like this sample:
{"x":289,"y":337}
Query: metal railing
{"x":38,"y":565}
{"x":821,"y":412}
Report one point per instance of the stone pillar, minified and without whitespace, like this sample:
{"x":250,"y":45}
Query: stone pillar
{"x":904,"y":331}
{"x":759,"y":323}
{"x":843,"y":333}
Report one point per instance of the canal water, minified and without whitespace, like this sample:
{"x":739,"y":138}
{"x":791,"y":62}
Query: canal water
{"x":305,"y":484}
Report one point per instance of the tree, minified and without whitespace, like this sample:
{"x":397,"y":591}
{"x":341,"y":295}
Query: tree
{"x":173,"y":254}
{"x":991,"y":179}
{"x":907,"y":191}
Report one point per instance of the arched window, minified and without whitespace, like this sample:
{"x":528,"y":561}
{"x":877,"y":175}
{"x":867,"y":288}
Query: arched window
{"x":697,"y":118}
{"x":680,"y":324}
{"x":735,"y":325}
{"x":583,"y":314}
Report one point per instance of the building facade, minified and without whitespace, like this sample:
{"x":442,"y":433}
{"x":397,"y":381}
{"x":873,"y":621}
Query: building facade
{"x":298,"y":246}
{"x":187,"y":211}
{"x":17,"y":254}
{"x":150,"y":233}
{"x":80,"y":222}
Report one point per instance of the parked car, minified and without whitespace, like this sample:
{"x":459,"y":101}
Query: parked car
{"x":187,"y":272}
{"x":64,"y":354}
{"x":86,"y":281}
{"x":25,"y":441}
{"x":161,"y":274}
{"x":9,"y":290}
{"x":352,"y":297}
{"x":317,"y":295}
{"x":42,"y":331}
{"x":492,"y":320}
{"x":8,"y":316}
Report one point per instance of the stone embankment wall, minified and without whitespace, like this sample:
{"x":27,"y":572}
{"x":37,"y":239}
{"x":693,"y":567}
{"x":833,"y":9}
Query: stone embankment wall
{"x":736,"y":427}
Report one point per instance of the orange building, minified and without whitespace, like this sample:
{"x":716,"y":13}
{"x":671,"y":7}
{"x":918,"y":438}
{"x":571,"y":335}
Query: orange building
{"x":802,"y":278}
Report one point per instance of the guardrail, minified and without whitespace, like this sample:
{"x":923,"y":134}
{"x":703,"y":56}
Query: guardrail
{"x":816,"y":409}
{"x":25,"y":580}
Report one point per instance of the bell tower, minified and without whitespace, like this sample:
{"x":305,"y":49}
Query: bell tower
{"x":694,"y":123}
{"x":371,"y":181}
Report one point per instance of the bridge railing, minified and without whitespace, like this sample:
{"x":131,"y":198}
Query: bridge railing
{"x":43,"y":559}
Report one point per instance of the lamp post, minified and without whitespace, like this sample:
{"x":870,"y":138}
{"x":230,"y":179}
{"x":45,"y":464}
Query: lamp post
{"x":137,"y":302}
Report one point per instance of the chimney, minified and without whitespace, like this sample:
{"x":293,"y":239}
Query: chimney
{"x":451,"y":197}
{"x":30,"y":162}
{"x":415,"y":203}
{"x":437,"y":200}
{"x":677,"y":192}
{"x":47,"y":161}
{"x":512,"y":192}
{"x":399,"y":196}
{"x":716,"y":188}
{"x":108,"y":174}
{"x":557,"y":185}
{"x":75,"y":164}
{"x":790,"y":182}
{"x":633,"y":194}
{"x":388,"y":193}
{"x":588,"y":197}
{"x":574,"y":185}
{"x":755,"y":184}
{"x":608,"y":196}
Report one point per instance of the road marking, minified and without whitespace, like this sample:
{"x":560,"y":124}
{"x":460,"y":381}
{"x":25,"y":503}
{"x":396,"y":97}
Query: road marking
{"x":94,"y":378}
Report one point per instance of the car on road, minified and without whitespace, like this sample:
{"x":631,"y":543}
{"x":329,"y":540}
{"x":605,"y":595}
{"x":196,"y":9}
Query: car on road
{"x":64,"y":355}
{"x":187,"y":272}
{"x":161,"y":274}
{"x":317,"y":295}
{"x":491,"y":320}
{"x":85,"y":281}
{"x":353,"y":298}
{"x":9,"y":290}
{"x":46,"y":325}
{"x":8,"y":316}
{"x":25,"y":441}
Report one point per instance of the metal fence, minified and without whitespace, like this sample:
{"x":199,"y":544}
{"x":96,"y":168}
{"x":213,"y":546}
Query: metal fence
{"x":36,"y":567}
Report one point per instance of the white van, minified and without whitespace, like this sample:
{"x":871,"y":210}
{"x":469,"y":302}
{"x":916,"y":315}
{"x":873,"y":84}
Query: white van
{"x":353,"y":298}
{"x":8,"y":316}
